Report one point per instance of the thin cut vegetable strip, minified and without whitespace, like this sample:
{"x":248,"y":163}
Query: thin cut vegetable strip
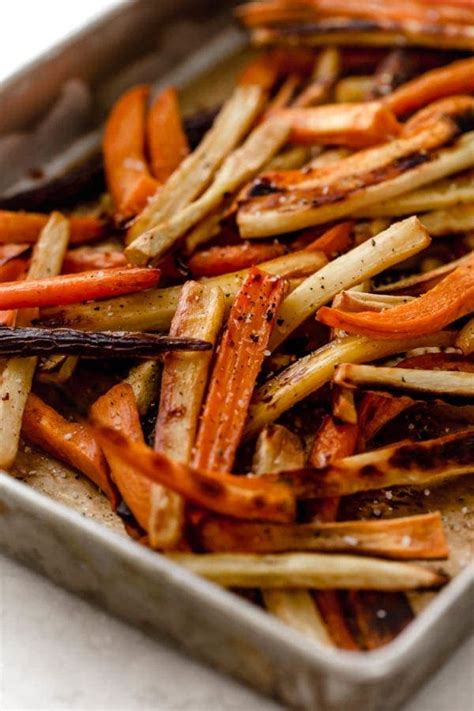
{"x":455,"y":78}
{"x":353,"y":125}
{"x":325,"y":74}
{"x":21,"y":227}
{"x":419,"y":283}
{"x":449,"y":300}
{"x":376,"y":629}
{"x":222,"y":260}
{"x":199,"y":315}
{"x":465,"y":340}
{"x":375,"y":411}
{"x":331,"y":609}
{"x":240,"y":356}
{"x":278,"y":448}
{"x":402,"y":464}
{"x":399,"y":242}
{"x":17,"y":374}
{"x":70,"y":442}
{"x":128,"y":177}
{"x":72,"y":289}
{"x":196,"y":171}
{"x":314,"y":370}
{"x":236,"y":496}
{"x":308,"y":570}
{"x":167,"y":140}
{"x":268,"y":67}
{"x":241,"y":166}
{"x":444,"y":384}
{"x":154,"y":309}
{"x":333,"y":441}
{"x":153,"y":506}
{"x":401,"y":538}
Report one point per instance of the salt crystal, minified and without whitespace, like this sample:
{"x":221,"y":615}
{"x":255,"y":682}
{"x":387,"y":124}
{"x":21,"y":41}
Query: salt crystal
{"x":381,"y":614}
{"x":68,"y":436}
{"x":267,"y":353}
{"x":377,"y":512}
{"x":351,"y":540}
{"x":388,"y":495}
{"x":427,"y":492}
{"x":406,"y":541}
{"x":464,"y":510}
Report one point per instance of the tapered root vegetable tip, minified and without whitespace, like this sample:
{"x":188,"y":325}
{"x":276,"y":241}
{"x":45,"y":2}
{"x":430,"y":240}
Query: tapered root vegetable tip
{"x":448,"y":301}
{"x":309,"y":570}
{"x":106,"y":344}
{"x":236,"y":496}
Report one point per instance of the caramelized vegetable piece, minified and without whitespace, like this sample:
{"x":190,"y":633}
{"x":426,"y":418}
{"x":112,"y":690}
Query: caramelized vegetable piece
{"x":333,"y":441}
{"x":70,"y":442}
{"x":152,"y":505}
{"x":86,"y":259}
{"x":336,"y":240}
{"x":105,"y":344}
{"x":25,"y":227}
{"x":167,"y":140}
{"x":128,"y":178}
{"x":449,"y":300}
{"x":352,"y":125}
{"x":455,"y":78}
{"x":401,"y":464}
{"x":232,"y":258}
{"x":72,"y":289}
{"x":402,"y":538}
{"x":236,"y":496}
{"x":240,"y":356}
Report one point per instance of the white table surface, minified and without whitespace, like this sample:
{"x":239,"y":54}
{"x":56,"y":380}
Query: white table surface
{"x":58,"y":652}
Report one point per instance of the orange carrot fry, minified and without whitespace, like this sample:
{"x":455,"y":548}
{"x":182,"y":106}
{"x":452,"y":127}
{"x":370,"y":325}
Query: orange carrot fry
{"x":12,"y":251}
{"x":167,"y":141}
{"x":330,"y":606}
{"x":353,"y":125}
{"x":86,"y":259}
{"x":375,"y":411}
{"x":128,"y":178}
{"x":238,"y":363}
{"x":13,"y":270}
{"x":333,"y":441}
{"x":267,"y":68}
{"x":74,"y":288}
{"x":449,"y":300}
{"x":70,"y":442}
{"x":237,"y":496}
{"x":118,"y":410}
{"x":456,"y":78}
{"x":232,"y":258}
{"x":25,"y":227}
{"x":336,"y":240}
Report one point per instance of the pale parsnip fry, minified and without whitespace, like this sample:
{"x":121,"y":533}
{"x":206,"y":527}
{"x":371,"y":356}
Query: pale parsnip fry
{"x":344,"y":407}
{"x":196,"y":171}
{"x":296,"y":608}
{"x":316,"y":369}
{"x":437,"y":196}
{"x":459,"y":218}
{"x":402,"y":240}
{"x":401,"y":464}
{"x":399,"y":538}
{"x":17,"y":374}
{"x":144,"y":379}
{"x":362,"y":301}
{"x":328,"y":156}
{"x":204,"y":230}
{"x":200,"y":311}
{"x":57,"y":369}
{"x":308,"y":570}
{"x":240,"y":166}
{"x":298,"y":211}
{"x":154,"y":309}
{"x":277,"y":448}
{"x":290,"y":159}
{"x":465,"y":340}
{"x":447,"y":385}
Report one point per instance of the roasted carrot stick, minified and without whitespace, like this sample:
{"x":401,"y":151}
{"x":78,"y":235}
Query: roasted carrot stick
{"x":375,"y":411}
{"x":74,"y":288}
{"x":237,"y":496}
{"x":12,"y":270}
{"x":128,"y":178}
{"x":167,"y":142}
{"x":456,"y":78}
{"x":240,"y":356}
{"x":118,"y":410}
{"x":449,"y":300}
{"x":336,"y":240}
{"x":25,"y":227}
{"x":232,"y":258}
{"x":266,"y":68}
{"x":86,"y":259}
{"x":13,"y":251}
{"x":353,"y":125}
{"x":71,"y":442}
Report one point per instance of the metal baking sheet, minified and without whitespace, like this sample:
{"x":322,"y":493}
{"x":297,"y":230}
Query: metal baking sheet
{"x":84,"y":549}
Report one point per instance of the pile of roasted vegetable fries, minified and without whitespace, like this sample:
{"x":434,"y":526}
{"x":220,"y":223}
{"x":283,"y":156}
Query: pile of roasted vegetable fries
{"x":312,"y":335}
